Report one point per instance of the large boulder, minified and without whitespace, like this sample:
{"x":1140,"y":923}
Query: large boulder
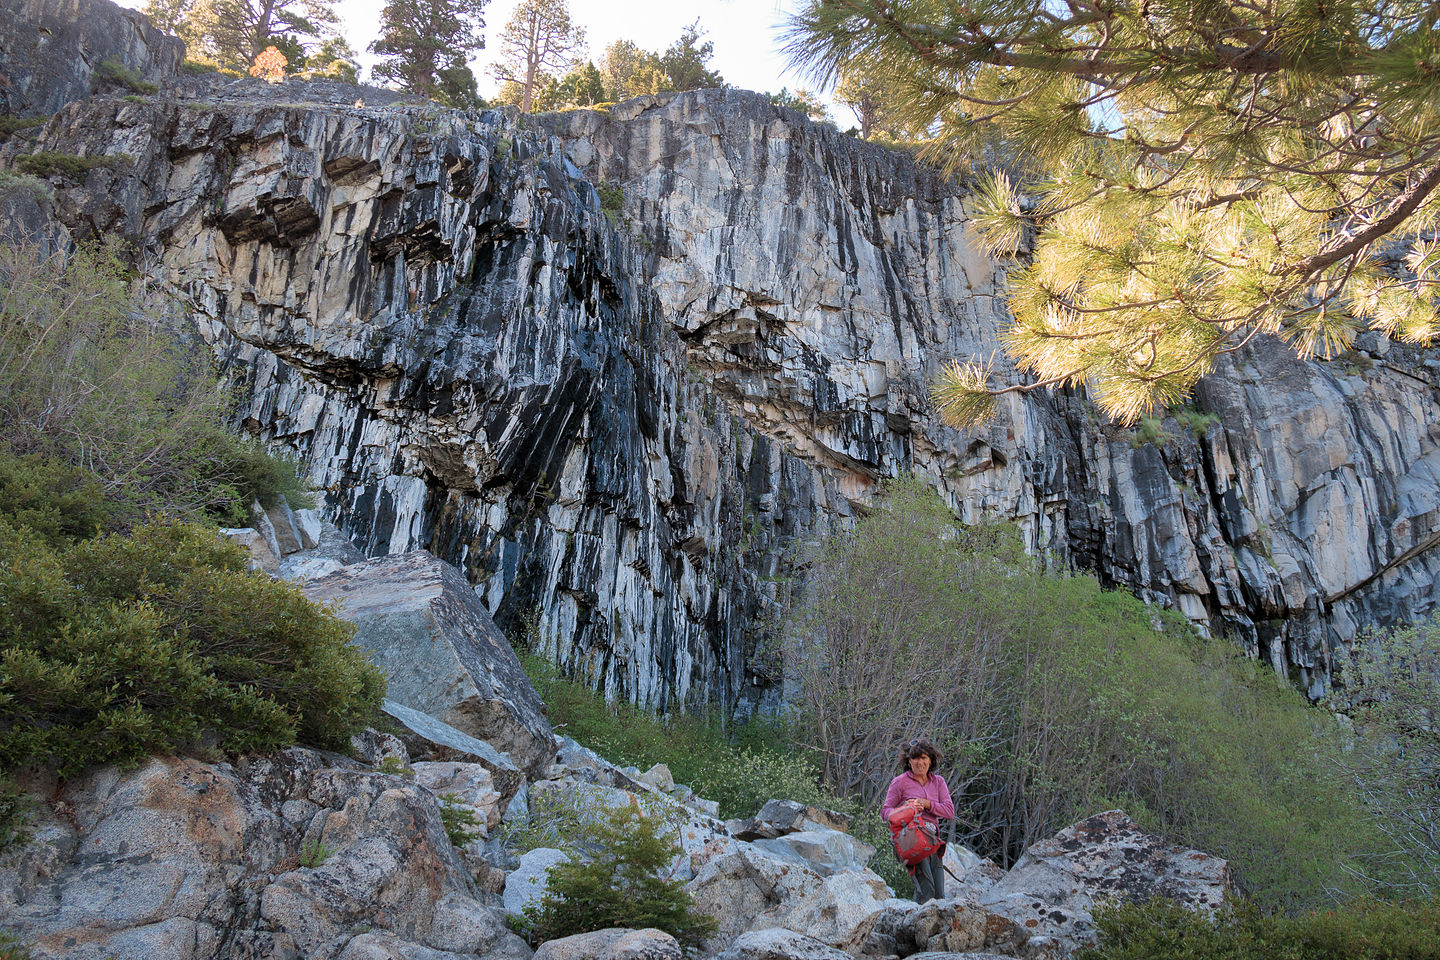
{"x":616,"y":943}
{"x":749,"y":889}
{"x":827,"y":852}
{"x":422,"y":623}
{"x":427,"y":739}
{"x":284,"y":856}
{"x":777,"y":944}
{"x":527,"y":884}
{"x":1053,"y":888}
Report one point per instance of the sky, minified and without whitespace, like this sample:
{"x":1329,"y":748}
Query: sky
{"x":746,"y":34}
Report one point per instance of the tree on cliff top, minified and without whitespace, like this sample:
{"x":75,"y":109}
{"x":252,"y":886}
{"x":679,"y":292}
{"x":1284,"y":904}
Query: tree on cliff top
{"x":233,"y":33}
{"x":1205,"y":172}
{"x":424,"y":45}
{"x":538,"y":43}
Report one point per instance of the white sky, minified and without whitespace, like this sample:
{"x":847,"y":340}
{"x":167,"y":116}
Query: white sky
{"x":746,"y":34}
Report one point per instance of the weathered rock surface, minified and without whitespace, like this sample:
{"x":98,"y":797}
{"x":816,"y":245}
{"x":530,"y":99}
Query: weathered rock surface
{"x":1053,"y":888}
{"x":779,"y":817}
{"x":613,"y":944}
{"x":776,"y":944}
{"x":619,"y":433}
{"x":286,"y":856}
{"x":525,"y":886}
{"x":423,"y":625}
{"x":749,"y":890}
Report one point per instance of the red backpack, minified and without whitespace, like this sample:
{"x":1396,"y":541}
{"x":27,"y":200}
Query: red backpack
{"x":914,"y":838}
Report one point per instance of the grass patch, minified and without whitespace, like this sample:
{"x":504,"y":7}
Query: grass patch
{"x":115,"y":73}
{"x":11,"y":125}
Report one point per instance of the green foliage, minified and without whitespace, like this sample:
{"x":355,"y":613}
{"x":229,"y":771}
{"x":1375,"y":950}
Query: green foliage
{"x":41,"y":191}
{"x":1172,"y":218}
{"x":198,"y":68}
{"x":620,"y":886}
{"x":422,"y":39}
{"x":1150,"y":431}
{"x":12,"y":947}
{"x":15,"y":809}
{"x":801,"y":101}
{"x":50,"y":163}
{"x":538,"y":45}
{"x":1394,"y":686}
{"x":612,"y":199}
{"x":460,"y":821}
{"x":92,"y":378}
{"x":161,"y":640}
{"x":1361,"y":930}
{"x":1196,"y":422}
{"x":11,"y":125}
{"x":1052,"y":698}
{"x":114,"y":72}
{"x":313,"y":853}
{"x":392,"y":767}
{"x":58,"y":502}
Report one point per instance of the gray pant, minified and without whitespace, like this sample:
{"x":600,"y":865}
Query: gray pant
{"x":929,"y":876}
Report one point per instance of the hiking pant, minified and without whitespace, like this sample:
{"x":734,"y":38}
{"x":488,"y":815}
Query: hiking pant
{"x":929,"y":876}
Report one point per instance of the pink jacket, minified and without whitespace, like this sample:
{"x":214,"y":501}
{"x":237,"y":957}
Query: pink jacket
{"x":935,"y":790}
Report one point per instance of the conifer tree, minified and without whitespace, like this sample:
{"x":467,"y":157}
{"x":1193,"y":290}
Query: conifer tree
{"x":539,"y":42}
{"x":233,"y":33}
{"x":424,"y":45}
{"x":1207,"y":172}
{"x":684,"y":61}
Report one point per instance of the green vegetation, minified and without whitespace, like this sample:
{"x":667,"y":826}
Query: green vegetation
{"x":50,"y":163}
{"x":313,"y":853}
{"x":1169,"y":226}
{"x":1362,"y":930}
{"x":162,"y":640}
{"x":198,"y":68}
{"x":460,"y":821}
{"x":90,"y":378}
{"x":612,"y":200}
{"x":126,"y":626}
{"x":37,"y":188}
{"x":622,"y":884}
{"x":13,"y":948}
{"x":392,"y":767}
{"x":1196,"y":422}
{"x":11,"y":125}
{"x":114,"y":72}
{"x":1150,"y":431}
{"x":1053,"y":699}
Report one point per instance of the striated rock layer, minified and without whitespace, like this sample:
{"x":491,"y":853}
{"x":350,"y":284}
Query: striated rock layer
{"x":621,"y":422}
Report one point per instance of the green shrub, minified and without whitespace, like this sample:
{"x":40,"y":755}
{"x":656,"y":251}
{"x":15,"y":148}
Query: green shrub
{"x":569,"y":819}
{"x":50,"y":163}
{"x":114,"y":72}
{"x":162,"y":640}
{"x":41,"y":191}
{"x":58,"y":502}
{"x":1197,"y":423}
{"x":90,"y":376}
{"x":1150,"y":431}
{"x":1053,"y":699}
{"x":620,"y":886}
{"x":1360,"y":930}
{"x":460,"y":821}
{"x":313,"y":853}
{"x":11,"y":125}
{"x":612,"y":199}
{"x":198,"y":68}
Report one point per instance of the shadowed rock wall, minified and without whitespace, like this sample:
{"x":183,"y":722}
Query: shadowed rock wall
{"x":621,"y":423}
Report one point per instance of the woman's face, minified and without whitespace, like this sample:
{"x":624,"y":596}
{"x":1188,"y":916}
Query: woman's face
{"x":920,"y":766}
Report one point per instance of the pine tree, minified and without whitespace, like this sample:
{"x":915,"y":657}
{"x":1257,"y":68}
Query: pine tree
{"x":684,"y":61}
{"x":539,"y":42}
{"x":232,"y":33}
{"x":1206,"y":172}
{"x":424,"y":45}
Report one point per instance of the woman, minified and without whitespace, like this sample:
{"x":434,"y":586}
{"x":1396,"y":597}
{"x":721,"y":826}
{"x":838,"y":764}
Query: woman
{"x":921,"y":787}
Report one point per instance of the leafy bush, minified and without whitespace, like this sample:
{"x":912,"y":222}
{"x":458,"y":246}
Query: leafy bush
{"x":161,"y":640}
{"x":56,"y":501}
{"x":569,"y":819}
{"x":621,"y":886}
{"x":1053,"y":698}
{"x":198,"y":68}
{"x":112,"y":71}
{"x":15,"y":808}
{"x":89,"y":377}
{"x":1362,"y":930}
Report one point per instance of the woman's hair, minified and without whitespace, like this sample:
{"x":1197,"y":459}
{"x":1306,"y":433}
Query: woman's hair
{"x":911,"y":749}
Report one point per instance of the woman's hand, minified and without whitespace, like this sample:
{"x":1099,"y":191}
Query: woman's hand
{"x":919,"y":803}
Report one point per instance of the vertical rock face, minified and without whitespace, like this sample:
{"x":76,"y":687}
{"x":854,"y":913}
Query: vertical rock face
{"x":622,"y":422}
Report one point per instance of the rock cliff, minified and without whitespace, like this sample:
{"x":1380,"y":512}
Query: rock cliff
{"x":620,"y":417}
